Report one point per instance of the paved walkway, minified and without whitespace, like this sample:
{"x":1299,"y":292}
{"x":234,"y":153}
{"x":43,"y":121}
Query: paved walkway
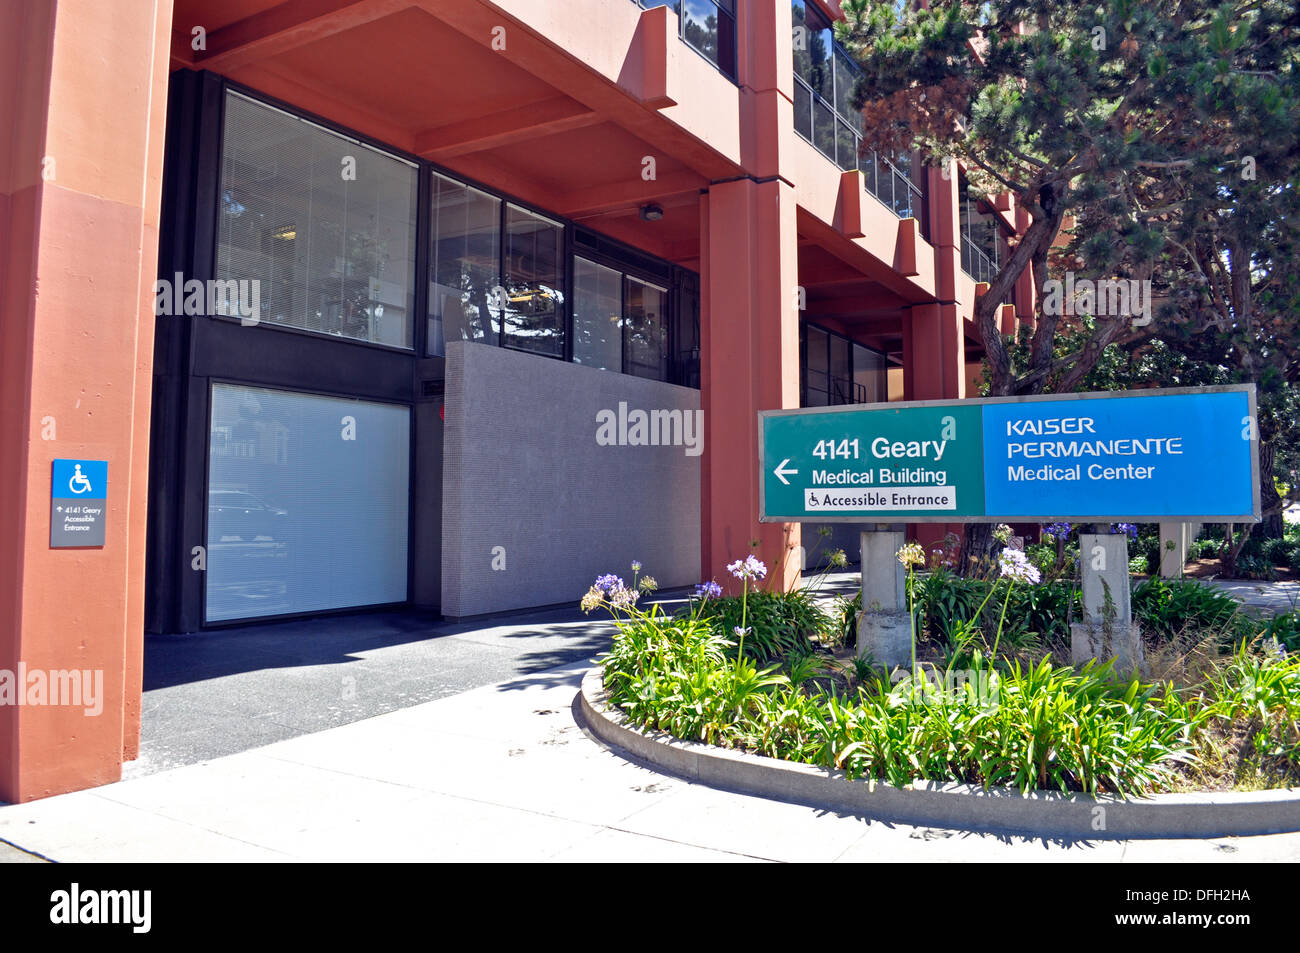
{"x":1268,"y":597}
{"x":501,"y":772}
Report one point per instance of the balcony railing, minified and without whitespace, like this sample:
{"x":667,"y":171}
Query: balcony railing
{"x":976,"y":262}
{"x":706,"y":26}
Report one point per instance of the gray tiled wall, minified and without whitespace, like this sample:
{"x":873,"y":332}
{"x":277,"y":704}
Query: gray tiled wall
{"x":522,"y":470}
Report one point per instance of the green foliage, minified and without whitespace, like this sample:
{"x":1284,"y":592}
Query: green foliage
{"x":978,"y":720}
{"x":1041,"y":726}
{"x":1285,"y":629}
{"x":780,"y":623}
{"x":946,"y":604}
{"x":1167,"y":608}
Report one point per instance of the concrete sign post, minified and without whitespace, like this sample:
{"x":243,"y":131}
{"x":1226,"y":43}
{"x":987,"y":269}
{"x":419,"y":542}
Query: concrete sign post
{"x":1106,"y":630}
{"x":1160,"y":456}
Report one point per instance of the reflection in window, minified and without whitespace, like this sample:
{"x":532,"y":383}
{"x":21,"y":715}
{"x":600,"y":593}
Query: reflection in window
{"x":533,"y":316}
{"x":646,"y":340}
{"x":465,"y":245}
{"x":709,"y":26}
{"x":332,"y":253}
{"x":597,"y":315}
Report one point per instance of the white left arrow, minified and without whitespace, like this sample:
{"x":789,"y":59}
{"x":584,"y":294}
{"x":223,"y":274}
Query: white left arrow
{"x":780,"y":472}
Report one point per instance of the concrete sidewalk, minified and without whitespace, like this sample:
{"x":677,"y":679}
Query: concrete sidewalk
{"x":501,"y":772}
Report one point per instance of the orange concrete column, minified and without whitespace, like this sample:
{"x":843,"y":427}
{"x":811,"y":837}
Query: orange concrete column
{"x":934,"y":345}
{"x":83,"y":88}
{"x":749,"y":362}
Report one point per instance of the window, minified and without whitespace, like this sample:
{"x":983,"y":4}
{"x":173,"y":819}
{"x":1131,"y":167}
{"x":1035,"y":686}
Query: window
{"x":323,"y":224}
{"x":816,"y":379}
{"x":708,"y":27}
{"x":533,"y":315}
{"x":597,"y":316}
{"x":825,"y":79}
{"x":298,"y":519}
{"x":465,"y":261}
{"x":981,"y":236}
{"x":836,"y":370}
{"x":646,"y":337}
{"x":620,"y":323}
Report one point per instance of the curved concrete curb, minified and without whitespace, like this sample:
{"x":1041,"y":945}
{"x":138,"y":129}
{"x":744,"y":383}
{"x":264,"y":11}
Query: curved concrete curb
{"x":934,"y":804}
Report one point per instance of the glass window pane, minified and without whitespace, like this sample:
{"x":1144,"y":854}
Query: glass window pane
{"x":841,"y":371}
{"x":597,"y":316}
{"x":330,"y":253}
{"x":647,"y":330}
{"x":812,"y":43}
{"x":534,"y":283}
{"x":869,"y":375}
{"x":299,"y":520}
{"x":802,"y":110}
{"x":700,"y":27}
{"x":867,"y":163}
{"x":847,"y":146}
{"x":465,"y":246}
{"x":846,"y":77}
{"x":902,"y":197}
{"x":824,"y":130}
{"x":816,"y":349}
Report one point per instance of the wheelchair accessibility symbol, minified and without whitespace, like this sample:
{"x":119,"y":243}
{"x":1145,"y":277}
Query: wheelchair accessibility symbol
{"x":79,"y":480}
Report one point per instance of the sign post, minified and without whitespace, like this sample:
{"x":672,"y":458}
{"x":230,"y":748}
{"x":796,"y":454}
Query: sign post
{"x":1175,"y":455}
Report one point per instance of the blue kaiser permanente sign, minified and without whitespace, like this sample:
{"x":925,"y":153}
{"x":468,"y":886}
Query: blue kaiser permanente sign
{"x":1142,"y":456}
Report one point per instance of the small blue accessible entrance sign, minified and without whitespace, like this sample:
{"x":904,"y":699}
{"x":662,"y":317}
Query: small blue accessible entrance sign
{"x":78,"y":501}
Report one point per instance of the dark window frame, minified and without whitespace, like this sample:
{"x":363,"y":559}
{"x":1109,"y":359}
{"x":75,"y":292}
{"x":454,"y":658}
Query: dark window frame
{"x":831,"y":378}
{"x":662,"y":274}
{"x":676,"y":6}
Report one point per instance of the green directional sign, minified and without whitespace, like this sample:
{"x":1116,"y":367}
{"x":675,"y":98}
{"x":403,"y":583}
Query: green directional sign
{"x":875,"y":464}
{"x":1144,"y":456}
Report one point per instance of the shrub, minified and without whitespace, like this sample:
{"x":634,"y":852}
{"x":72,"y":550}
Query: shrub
{"x":1166,"y":607}
{"x":779,"y":623}
{"x":946,"y":603}
{"x":1025,"y":726}
{"x":1285,"y":628}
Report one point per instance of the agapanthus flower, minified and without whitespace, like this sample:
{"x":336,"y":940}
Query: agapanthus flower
{"x":636,"y":565}
{"x":912,"y":555}
{"x":648,"y":584}
{"x":837,"y":558}
{"x":749,"y":568}
{"x":623,"y":597}
{"x":1129,"y":528}
{"x":1016,"y":566}
{"x":592,"y":599}
{"x":738,"y":632}
{"x":1057,"y":530}
{"x":608,"y":583}
{"x":708,"y":590}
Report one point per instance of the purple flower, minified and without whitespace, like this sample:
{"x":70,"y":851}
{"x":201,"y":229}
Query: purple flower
{"x":1016,"y":566}
{"x":1129,"y":528}
{"x":749,"y":568}
{"x":1057,"y":530}
{"x":608,"y":583}
{"x":708,"y":590}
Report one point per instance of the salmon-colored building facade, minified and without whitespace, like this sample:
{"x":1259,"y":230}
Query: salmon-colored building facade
{"x":693,"y":162}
